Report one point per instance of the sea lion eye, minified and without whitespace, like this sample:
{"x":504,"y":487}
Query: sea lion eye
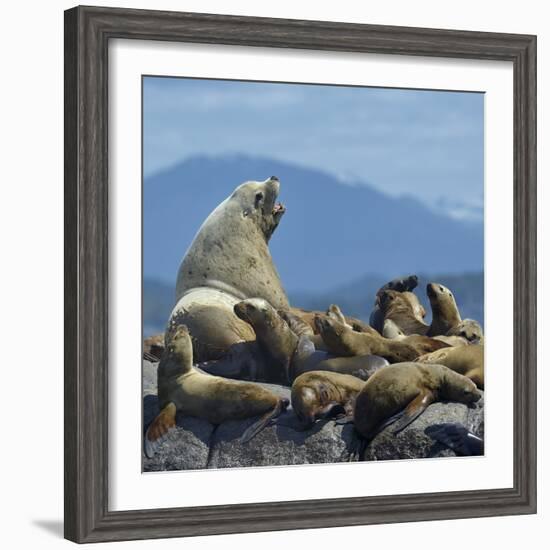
{"x":259,"y":198}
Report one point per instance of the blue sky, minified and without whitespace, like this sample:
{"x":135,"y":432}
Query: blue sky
{"x":425,"y":143}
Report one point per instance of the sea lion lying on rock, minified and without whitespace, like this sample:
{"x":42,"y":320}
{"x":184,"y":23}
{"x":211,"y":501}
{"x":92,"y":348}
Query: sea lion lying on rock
{"x":181,"y":387}
{"x":345,"y":342}
{"x":229,"y":261}
{"x":320,"y":394}
{"x":466,"y":360}
{"x":400,"y":393}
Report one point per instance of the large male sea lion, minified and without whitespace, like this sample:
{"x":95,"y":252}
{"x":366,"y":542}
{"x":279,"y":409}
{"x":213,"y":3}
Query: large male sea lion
{"x":320,"y":394}
{"x":229,"y":261}
{"x":181,"y":387}
{"x":402,"y":392}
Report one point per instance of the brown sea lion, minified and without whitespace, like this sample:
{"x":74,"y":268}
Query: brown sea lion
{"x":274,"y":336}
{"x":400,"y":308}
{"x":468,"y":329}
{"x":309,"y":318}
{"x":422,"y":344}
{"x":285,"y":355}
{"x":320,"y":394}
{"x":445,"y":314}
{"x":465,"y":360}
{"x":400,"y":284}
{"x":402,"y":392}
{"x":153,"y":348}
{"x":229,"y":261}
{"x":345,"y":342}
{"x":181,"y":387}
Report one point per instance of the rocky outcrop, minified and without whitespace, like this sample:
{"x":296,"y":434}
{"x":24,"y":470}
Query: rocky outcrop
{"x":197,"y":444}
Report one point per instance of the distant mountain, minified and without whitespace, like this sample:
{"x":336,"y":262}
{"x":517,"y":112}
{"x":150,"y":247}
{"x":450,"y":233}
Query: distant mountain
{"x":355,"y":298}
{"x":331,"y":234}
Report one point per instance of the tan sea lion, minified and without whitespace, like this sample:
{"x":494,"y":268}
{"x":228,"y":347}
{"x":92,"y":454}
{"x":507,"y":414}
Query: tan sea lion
{"x":400,"y":284}
{"x":468,"y":329}
{"x":181,"y":387}
{"x":423,"y":344}
{"x":229,"y":261}
{"x":402,"y":392}
{"x":320,"y":394}
{"x":345,"y":342}
{"x":466,"y":360}
{"x":403,"y":310}
{"x":274,"y":336}
{"x":283,"y":354}
{"x":445,"y":314}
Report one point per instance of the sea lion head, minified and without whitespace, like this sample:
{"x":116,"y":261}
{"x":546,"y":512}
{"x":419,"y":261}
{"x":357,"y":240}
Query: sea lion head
{"x":257,"y":202}
{"x":313,"y":401}
{"x":469,"y":329}
{"x":460,"y":388}
{"x":255,"y":311}
{"x":440,"y":295}
{"x":179,"y":343}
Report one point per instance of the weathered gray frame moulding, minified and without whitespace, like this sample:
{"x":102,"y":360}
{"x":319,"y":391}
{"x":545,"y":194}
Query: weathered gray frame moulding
{"x":87,"y":34}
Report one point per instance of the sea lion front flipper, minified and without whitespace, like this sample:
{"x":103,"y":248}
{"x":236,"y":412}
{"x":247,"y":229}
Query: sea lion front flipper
{"x":414,"y":409}
{"x":345,"y":420}
{"x":161,"y":425}
{"x":259,"y":425}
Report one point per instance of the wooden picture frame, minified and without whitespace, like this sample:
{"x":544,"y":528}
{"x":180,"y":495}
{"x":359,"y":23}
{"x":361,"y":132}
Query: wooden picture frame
{"x":87,"y":34}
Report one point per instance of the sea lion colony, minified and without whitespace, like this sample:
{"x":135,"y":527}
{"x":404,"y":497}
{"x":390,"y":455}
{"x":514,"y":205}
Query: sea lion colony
{"x":232,"y":319}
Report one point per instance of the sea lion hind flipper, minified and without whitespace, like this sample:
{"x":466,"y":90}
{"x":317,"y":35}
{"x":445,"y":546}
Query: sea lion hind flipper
{"x":457,"y":438}
{"x":253,"y":430}
{"x":413,"y":410}
{"x":157,"y":430}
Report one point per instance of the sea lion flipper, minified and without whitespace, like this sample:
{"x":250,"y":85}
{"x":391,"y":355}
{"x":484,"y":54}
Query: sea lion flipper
{"x":344,"y":420}
{"x":414,"y":409}
{"x":161,"y":425}
{"x":457,"y":438}
{"x":253,"y":430}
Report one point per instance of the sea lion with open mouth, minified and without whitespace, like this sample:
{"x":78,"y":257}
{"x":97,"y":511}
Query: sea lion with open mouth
{"x":229,"y":261}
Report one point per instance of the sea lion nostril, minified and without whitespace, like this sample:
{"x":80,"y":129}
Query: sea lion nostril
{"x":274,"y":178}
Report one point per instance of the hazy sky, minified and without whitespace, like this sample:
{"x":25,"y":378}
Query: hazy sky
{"x":425,"y":143}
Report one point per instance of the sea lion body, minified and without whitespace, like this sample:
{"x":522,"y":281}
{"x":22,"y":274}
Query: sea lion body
{"x":403,"y":310}
{"x":320,"y":394}
{"x":407,"y":389}
{"x":422,"y":344}
{"x":465,"y":360}
{"x":183,"y":388}
{"x":229,"y":261}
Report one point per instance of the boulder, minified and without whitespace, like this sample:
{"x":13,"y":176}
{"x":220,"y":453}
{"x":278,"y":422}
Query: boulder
{"x":197,"y":444}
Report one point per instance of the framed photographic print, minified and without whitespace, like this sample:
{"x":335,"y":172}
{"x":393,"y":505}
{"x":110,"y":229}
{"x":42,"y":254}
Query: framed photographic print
{"x":300,"y":274}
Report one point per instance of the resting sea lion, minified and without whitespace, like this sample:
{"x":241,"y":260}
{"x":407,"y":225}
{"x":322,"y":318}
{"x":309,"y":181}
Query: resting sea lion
{"x":181,"y":387}
{"x":466,"y":360}
{"x":422,"y":344}
{"x":401,"y":284}
{"x":284,"y":354}
{"x":229,"y":261}
{"x":319,"y":394}
{"x":402,"y":392}
{"x":468,"y":329}
{"x":345,"y":342}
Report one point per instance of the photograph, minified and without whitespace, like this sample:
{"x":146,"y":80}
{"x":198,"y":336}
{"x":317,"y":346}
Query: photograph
{"x":312,"y":273}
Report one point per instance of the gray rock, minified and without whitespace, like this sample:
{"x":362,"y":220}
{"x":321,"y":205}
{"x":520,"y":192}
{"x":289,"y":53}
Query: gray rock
{"x":197,"y":444}
{"x":281,"y":444}
{"x":412,"y":442}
